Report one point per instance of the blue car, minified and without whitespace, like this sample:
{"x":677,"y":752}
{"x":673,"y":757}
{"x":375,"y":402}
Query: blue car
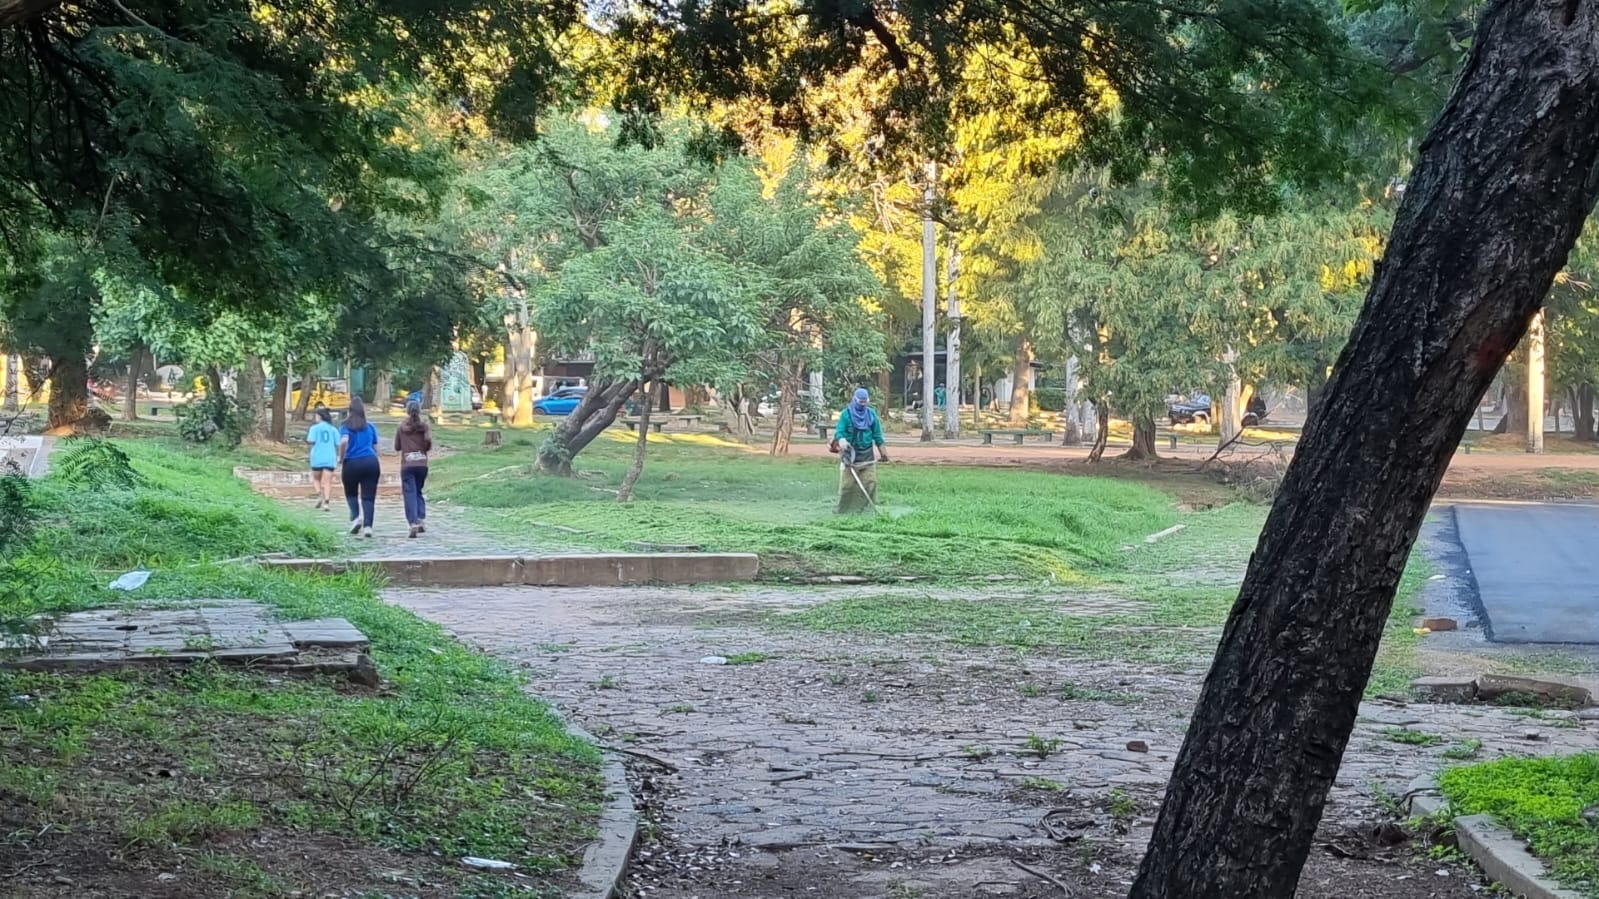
{"x":561,"y":402}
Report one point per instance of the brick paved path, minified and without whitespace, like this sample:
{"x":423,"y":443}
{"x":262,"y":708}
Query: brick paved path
{"x":854,"y":767}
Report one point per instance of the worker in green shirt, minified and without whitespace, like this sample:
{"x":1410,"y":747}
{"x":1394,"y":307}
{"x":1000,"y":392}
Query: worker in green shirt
{"x":858,"y":436}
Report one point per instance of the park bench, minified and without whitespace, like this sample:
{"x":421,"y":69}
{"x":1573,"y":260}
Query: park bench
{"x":823,"y":430}
{"x":684,"y":419}
{"x":1017,"y":433}
{"x":632,"y":424}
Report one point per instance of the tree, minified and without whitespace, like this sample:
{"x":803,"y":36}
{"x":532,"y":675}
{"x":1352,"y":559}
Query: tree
{"x":1499,"y":194}
{"x":803,"y":270}
{"x":653,"y":305}
{"x":240,"y":148}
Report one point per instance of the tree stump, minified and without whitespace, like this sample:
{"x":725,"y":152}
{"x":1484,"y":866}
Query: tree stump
{"x":491,"y":437}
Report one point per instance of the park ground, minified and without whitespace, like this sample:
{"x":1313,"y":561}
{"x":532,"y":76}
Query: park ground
{"x":985,"y":681}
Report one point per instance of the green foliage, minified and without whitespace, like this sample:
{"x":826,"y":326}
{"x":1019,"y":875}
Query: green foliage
{"x":95,"y":463}
{"x":1048,"y":399}
{"x":17,"y":513}
{"x":214,"y":417}
{"x":1412,"y":737}
{"x":453,"y":758}
{"x":1542,"y":800}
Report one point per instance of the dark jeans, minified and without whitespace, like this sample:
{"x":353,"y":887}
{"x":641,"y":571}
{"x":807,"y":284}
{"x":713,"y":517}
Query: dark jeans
{"x":412,"y":480}
{"x":361,"y":478}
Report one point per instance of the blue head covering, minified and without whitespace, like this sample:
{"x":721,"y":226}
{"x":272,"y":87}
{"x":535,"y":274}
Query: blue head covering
{"x":860,"y":414}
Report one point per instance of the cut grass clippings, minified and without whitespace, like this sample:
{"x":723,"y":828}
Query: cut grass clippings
{"x":1542,"y":801}
{"x":202,"y":769}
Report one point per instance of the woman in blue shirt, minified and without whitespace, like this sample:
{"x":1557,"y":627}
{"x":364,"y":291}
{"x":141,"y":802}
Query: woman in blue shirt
{"x":324,"y":440}
{"x":358,"y":448}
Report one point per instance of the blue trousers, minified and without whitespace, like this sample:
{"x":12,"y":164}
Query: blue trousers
{"x":412,"y":480}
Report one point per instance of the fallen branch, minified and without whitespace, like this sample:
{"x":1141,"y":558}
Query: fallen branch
{"x":652,"y":759}
{"x":1042,"y":876}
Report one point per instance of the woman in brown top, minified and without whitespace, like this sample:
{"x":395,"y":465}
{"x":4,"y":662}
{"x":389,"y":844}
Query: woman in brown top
{"x":413,"y":440}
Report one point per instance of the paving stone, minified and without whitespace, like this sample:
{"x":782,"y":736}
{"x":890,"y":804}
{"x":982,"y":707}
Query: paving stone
{"x":326,"y":632}
{"x":894,"y":771}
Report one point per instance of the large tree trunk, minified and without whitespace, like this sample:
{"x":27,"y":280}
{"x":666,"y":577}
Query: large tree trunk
{"x":639,"y":446}
{"x":1143,"y":447}
{"x":1514,"y":420}
{"x":1500,"y":192}
{"x":280,"y":404}
{"x":519,"y":348}
{"x":307,"y":383}
{"x":1021,"y":404}
{"x":1101,"y":431}
{"x":130,"y":402}
{"x":787,"y":400}
{"x":738,"y":420}
{"x":1584,"y":411}
{"x":593,"y":415}
{"x":248,"y":392}
{"x":69,"y":391}
{"x":11,"y":377}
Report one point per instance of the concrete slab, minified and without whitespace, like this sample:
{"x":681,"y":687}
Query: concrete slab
{"x":571,"y":570}
{"x":1536,"y":570}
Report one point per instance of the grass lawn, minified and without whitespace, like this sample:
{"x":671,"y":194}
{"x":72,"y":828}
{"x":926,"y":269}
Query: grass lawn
{"x":936,"y":522}
{"x":945,"y":524}
{"x":1542,"y":800}
{"x":232,"y":782}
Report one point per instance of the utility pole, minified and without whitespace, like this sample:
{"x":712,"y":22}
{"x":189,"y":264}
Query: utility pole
{"x":1535,"y":384}
{"x":952,"y":346}
{"x":929,"y":302}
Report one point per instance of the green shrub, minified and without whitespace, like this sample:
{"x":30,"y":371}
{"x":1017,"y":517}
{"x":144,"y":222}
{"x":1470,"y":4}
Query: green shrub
{"x":214,"y":417}
{"x":17,"y":513}
{"x":1049,"y":399}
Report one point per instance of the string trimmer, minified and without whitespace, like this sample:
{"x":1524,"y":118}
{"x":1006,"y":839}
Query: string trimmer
{"x":846,"y":458}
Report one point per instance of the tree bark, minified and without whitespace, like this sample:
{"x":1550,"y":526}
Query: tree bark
{"x":593,"y":415}
{"x":382,"y":392}
{"x":1584,"y":412}
{"x":1101,"y":431}
{"x":1503,"y":185}
{"x":1021,"y":395}
{"x":307,"y":383}
{"x":1143,"y":447}
{"x":738,"y":419}
{"x":1514,"y":419}
{"x":637,"y":468}
{"x":11,"y":395}
{"x":787,"y":400}
{"x":280,"y":404}
{"x":519,"y":350}
{"x":130,"y":402}
{"x":69,"y":392}
{"x":16,"y":12}
{"x":248,"y":389}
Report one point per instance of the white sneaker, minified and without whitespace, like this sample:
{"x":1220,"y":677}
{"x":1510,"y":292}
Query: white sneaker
{"x":355,"y":525}
{"x":367,"y":533}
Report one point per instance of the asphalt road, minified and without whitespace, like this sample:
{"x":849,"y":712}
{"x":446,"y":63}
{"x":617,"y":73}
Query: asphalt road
{"x":1536,"y":567}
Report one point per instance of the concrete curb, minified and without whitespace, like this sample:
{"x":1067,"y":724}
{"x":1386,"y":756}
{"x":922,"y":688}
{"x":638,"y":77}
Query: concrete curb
{"x":1502,"y":857}
{"x":606,"y":859}
{"x":573,"y":570}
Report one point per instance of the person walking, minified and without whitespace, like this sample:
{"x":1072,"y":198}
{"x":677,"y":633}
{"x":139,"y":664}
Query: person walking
{"x":324,"y":440}
{"x":413,"y":441}
{"x":358,"y":450}
{"x":859,"y":434}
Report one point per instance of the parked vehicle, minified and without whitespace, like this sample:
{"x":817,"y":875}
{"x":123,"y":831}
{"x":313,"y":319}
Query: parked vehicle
{"x":1189,"y":411}
{"x":333,"y":393}
{"x":1255,"y":415}
{"x":561,"y":402}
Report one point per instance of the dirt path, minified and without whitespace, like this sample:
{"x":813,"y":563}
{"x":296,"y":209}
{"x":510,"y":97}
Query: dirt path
{"x":864,"y":768}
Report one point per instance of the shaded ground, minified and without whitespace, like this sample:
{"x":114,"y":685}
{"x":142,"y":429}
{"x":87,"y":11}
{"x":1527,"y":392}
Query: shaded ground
{"x":906,"y":766}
